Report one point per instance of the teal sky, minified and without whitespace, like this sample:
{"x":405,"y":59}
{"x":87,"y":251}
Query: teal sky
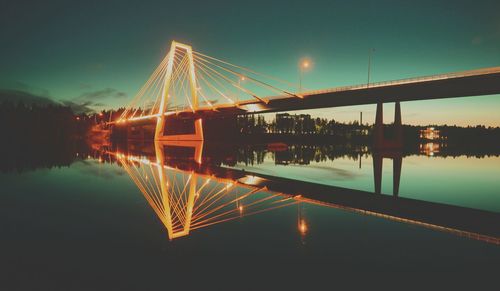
{"x":100,"y":54}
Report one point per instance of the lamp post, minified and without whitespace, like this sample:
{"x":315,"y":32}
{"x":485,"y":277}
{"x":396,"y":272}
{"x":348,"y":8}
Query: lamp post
{"x":241,"y":78}
{"x":369,"y":65}
{"x":304,"y":65}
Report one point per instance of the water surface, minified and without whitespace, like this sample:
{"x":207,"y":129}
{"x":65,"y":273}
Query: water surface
{"x":89,"y":225}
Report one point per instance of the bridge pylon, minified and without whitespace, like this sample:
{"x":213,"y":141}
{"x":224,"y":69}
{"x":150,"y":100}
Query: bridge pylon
{"x":176,"y":49}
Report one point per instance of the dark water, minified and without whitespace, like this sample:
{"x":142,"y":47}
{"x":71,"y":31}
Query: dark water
{"x":154,"y":218}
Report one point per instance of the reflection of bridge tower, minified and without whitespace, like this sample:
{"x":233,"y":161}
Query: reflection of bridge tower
{"x":186,"y":200}
{"x":397,"y":162}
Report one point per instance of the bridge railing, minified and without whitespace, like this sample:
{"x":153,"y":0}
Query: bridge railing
{"x":407,"y":81}
{"x":478,"y":72}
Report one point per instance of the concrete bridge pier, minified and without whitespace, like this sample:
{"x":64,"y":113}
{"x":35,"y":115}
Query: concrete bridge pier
{"x":380,"y":142}
{"x":197,"y":128}
{"x":173,"y":129}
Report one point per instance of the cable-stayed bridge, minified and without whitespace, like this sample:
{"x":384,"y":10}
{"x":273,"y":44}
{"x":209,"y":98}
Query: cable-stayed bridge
{"x":189,"y":88}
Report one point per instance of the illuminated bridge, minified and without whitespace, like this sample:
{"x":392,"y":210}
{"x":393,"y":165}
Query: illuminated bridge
{"x":192,"y":96}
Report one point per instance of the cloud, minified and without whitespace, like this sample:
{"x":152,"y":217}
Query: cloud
{"x":16,"y":96}
{"x":16,"y":92}
{"x":79,"y":108}
{"x":20,"y":86}
{"x":101,"y":94}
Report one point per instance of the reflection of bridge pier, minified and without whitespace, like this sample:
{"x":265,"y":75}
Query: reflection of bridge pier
{"x":397,"y":162}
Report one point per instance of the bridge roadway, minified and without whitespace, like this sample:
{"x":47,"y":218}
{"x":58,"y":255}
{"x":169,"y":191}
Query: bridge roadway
{"x":460,"y":84}
{"x":464,"y":84}
{"x":473,"y":223}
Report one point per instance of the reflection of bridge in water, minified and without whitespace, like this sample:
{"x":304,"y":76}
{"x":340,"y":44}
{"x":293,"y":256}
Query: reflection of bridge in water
{"x":188,"y":200}
{"x":189,"y":190}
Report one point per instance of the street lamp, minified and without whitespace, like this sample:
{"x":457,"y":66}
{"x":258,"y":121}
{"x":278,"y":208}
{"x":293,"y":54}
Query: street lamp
{"x":369,"y":65}
{"x":304,"y":65}
{"x":241,"y":78}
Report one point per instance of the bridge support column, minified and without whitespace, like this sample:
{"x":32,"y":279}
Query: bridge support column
{"x":196,"y":136}
{"x":379,"y":140}
{"x":378,"y":128}
{"x":387,"y":148}
{"x":398,"y":126}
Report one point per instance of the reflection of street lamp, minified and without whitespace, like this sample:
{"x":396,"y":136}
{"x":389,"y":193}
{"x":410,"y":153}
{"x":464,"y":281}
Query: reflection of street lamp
{"x":301,"y":222}
{"x":304,"y":65}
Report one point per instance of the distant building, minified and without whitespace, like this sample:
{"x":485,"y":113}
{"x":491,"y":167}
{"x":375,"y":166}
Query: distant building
{"x":294,"y":124}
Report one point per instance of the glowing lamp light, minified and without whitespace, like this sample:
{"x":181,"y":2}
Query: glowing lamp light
{"x":302,"y":227}
{"x":305,"y":64}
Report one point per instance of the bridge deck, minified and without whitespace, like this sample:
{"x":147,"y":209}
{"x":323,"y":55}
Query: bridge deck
{"x":464,"y":84}
{"x":461,"y":84}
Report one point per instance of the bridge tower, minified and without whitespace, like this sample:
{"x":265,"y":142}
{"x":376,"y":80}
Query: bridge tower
{"x":161,"y":119}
